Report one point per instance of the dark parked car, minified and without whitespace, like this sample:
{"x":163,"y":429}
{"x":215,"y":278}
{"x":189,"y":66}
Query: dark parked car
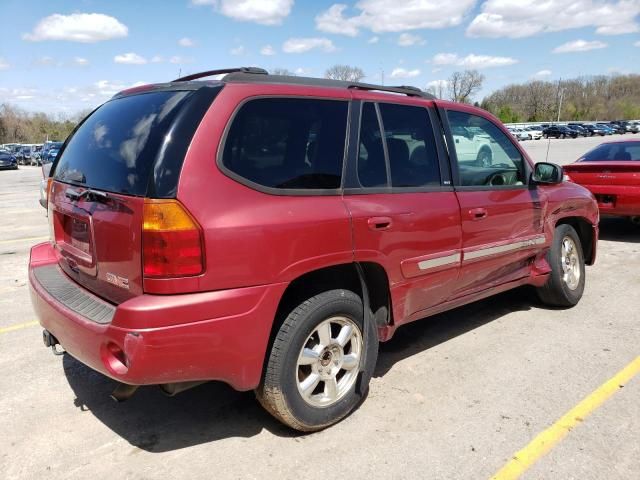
{"x":8,"y":160}
{"x":284,"y":228}
{"x":559,"y":131}
{"x":49,"y":152}
{"x":617,"y":128}
{"x":579,"y":128}
{"x":594,"y":129}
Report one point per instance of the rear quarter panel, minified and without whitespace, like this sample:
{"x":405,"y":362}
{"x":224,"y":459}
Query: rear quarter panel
{"x":253,"y":238}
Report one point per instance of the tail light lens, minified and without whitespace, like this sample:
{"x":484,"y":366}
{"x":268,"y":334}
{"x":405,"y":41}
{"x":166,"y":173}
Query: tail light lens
{"x":171,"y":240}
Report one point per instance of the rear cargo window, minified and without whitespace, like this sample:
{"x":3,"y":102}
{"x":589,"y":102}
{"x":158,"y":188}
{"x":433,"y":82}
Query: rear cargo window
{"x":115,"y":148}
{"x":615,"y":152}
{"x":288,"y":143}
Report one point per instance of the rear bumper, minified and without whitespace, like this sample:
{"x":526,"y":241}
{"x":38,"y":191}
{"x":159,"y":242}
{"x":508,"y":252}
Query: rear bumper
{"x":155,"y":339}
{"x":617,"y":199}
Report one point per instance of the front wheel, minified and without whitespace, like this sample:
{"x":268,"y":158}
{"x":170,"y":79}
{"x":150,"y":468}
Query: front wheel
{"x":315,"y":361}
{"x":484,"y":158}
{"x":565,"y":285}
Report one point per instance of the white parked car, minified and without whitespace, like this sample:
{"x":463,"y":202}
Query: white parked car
{"x":519,"y":133}
{"x":535,"y":132}
{"x":472,"y":145}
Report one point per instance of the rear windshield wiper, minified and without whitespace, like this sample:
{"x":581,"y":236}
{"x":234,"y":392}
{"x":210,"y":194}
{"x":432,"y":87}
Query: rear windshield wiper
{"x":89,"y":194}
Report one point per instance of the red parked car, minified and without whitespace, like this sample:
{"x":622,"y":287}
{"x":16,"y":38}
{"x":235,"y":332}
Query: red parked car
{"x":611,"y":171}
{"x":269,"y":231}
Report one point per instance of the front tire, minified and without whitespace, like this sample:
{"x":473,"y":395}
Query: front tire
{"x":565,"y":285}
{"x":315,"y":361}
{"x":484,"y":158}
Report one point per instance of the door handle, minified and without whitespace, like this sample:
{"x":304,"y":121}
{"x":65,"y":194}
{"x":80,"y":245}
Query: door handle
{"x":379,"y":223}
{"x":478,"y":213}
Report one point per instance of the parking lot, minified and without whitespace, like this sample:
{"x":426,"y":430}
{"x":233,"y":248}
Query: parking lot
{"x":454,"y":396}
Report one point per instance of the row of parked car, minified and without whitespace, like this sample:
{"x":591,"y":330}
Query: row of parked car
{"x":574,"y":130}
{"x":14,"y":154}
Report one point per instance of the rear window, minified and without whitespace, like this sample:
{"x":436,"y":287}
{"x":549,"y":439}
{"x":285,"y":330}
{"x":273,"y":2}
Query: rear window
{"x":615,"y":152}
{"x":115,"y":148}
{"x":288,"y":143}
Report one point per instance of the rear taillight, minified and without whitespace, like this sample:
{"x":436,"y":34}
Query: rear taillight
{"x":49,"y":207}
{"x":171,"y":240}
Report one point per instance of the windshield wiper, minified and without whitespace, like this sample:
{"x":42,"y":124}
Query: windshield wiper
{"x":89,"y":194}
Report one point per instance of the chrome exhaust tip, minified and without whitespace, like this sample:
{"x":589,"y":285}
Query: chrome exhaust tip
{"x":123,"y":392}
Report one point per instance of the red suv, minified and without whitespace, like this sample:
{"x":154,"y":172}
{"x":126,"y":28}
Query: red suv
{"x":269,"y":231}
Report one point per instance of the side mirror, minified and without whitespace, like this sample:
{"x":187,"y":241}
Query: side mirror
{"x":546,"y":173}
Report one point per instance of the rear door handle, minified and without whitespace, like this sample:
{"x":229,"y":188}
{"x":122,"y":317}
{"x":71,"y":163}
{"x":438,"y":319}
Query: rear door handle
{"x":478,"y":213}
{"x":379,"y":223}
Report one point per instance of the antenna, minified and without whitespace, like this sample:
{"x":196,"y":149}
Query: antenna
{"x":561,"y":92}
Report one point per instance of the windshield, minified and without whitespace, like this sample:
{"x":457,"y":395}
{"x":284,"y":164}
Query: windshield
{"x":115,"y":148}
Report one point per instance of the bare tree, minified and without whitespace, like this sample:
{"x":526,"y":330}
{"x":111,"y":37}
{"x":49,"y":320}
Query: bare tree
{"x":464,"y":85}
{"x":437,"y":88}
{"x":345,"y":72}
{"x":282,"y":71}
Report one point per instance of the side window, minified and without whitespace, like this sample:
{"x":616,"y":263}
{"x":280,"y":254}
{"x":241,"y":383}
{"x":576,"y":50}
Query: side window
{"x":486,"y":156}
{"x":288,"y":143}
{"x":413,"y":158}
{"x":372,"y":170}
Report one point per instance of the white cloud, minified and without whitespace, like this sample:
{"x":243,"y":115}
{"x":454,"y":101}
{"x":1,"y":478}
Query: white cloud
{"x":445,"y":59}
{"x":404,"y":73}
{"x":543,"y":73}
{"x":393,"y":16}
{"x":267,"y":50}
{"x":264,"y":12}
{"x":472,"y":61}
{"x":77,"y":27}
{"x":239,"y":50}
{"x":637,"y":44}
{"x":302,"y":71}
{"x":579,"y":46}
{"x":157,"y":59}
{"x":408,"y":40}
{"x":373,"y":40}
{"x":80,"y":61}
{"x":523,"y":18}
{"x":186,"y":42}
{"x":45,"y":61}
{"x":3,"y":64}
{"x":301,"y":45}
{"x":130,"y":58}
{"x":438,"y":84}
{"x":178,"y":60}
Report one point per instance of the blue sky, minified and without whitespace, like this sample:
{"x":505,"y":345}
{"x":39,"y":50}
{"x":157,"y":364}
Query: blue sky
{"x":63,"y":56}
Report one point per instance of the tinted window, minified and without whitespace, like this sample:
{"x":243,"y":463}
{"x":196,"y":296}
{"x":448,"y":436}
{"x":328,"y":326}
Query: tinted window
{"x":615,"y":152}
{"x":288,"y":143}
{"x":115,"y":148}
{"x":372,"y":170}
{"x":413,"y":158}
{"x":486,"y":156}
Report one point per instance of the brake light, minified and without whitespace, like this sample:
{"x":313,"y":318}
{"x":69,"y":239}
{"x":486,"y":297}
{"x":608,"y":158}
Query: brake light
{"x":171,"y":240}
{"x":52,"y":237}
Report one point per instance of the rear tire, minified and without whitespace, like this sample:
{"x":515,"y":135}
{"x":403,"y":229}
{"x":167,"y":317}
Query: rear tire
{"x":565,"y":285}
{"x":315,"y":361}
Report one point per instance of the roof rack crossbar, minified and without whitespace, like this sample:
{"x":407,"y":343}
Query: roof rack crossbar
{"x":209,"y":73}
{"x":402,"y":89}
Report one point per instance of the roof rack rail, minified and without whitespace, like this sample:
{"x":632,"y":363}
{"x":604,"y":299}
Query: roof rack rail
{"x":208,"y":73}
{"x":402,"y":89}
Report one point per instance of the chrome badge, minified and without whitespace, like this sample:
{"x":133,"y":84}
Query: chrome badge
{"x":118,"y":281}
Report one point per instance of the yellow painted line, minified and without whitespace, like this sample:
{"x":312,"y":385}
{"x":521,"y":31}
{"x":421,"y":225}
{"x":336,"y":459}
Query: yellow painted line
{"x":18,"y":326}
{"x":546,"y":440}
{"x":28,"y":239}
